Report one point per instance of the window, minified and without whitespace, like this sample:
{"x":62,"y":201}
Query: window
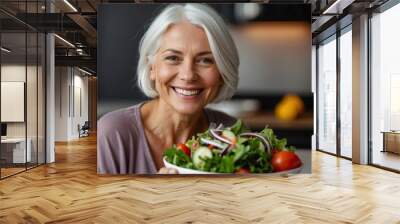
{"x":346,"y":92}
{"x":385,"y":88}
{"x":326,"y":99}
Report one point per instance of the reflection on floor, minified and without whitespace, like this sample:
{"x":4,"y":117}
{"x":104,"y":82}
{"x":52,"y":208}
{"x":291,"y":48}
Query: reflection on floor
{"x":10,"y":169}
{"x":387,"y":159}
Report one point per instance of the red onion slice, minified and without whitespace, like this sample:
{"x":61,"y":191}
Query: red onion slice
{"x":215,"y":133}
{"x":213,"y":143}
{"x":266,"y":143}
{"x":226,"y":150}
{"x":218,"y":137}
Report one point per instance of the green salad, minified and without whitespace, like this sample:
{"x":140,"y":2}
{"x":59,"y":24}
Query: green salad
{"x":229,"y":150}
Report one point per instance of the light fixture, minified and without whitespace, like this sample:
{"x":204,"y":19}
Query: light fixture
{"x":5,"y":50}
{"x":84,"y":71}
{"x":65,"y":41}
{"x":247,"y":11}
{"x":337,"y":7}
{"x":70,"y":5}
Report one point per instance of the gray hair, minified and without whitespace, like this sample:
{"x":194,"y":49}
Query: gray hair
{"x":221,"y":43}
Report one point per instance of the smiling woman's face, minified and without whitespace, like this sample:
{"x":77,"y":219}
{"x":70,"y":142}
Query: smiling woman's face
{"x":184,"y":70}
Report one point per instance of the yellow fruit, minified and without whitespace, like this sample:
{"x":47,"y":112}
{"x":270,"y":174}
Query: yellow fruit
{"x":289,"y":108}
{"x":286,"y":111}
{"x":296,"y":100}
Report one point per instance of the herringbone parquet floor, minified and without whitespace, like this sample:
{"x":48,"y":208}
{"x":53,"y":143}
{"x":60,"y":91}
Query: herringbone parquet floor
{"x":70,"y":191}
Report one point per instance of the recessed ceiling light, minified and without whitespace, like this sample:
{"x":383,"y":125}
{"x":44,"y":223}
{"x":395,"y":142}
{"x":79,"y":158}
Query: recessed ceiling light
{"x":5,"y":50}
{"x":338,"y":6}
{"x":65,"y":41}
{"x":84,"y":71}
{"x":70,"y":5}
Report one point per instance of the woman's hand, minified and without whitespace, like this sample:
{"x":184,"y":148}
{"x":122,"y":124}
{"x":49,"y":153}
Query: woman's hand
{"x":165,"y":170}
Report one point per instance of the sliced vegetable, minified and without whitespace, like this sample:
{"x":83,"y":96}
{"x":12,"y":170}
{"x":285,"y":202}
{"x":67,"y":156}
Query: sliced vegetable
{"x":215,"y":143}
{"x":201,"y":154}
{"x":230,"y":136}
{"x":184,"y":148}
{"x":215,"y":134}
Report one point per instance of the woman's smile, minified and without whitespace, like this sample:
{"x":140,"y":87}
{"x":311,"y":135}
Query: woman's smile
{"x":187,"y":93}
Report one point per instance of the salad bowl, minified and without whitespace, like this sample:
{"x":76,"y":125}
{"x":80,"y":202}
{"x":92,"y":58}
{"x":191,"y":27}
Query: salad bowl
{"x":233,"y":149}
{"x":182,"y":170}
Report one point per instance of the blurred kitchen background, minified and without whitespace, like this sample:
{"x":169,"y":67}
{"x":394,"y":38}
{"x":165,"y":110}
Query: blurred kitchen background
{"x":274,"y":45}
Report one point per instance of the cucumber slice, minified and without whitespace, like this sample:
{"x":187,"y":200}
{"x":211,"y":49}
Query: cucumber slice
{"x":200,"y":154}
{"x":229,"y":135}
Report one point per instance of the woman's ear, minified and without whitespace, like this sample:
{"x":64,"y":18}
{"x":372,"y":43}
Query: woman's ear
{"x":152,"y":73}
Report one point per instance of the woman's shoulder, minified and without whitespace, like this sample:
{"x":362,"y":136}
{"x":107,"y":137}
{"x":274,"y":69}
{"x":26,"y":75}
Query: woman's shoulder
{"x":122,"y":118}
{"x":120,"y":142}
{"x":219,"y":117}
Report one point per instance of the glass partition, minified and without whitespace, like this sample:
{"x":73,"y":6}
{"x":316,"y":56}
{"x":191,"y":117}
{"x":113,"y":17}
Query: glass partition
{"x":22,"y":77}
{"x":32,"y":95}
{"x":14,"y":145}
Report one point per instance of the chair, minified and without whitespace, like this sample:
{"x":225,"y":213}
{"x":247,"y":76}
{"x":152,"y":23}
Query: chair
{"x":84,"y":130}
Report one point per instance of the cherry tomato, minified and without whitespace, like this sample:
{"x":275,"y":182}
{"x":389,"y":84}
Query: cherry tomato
{"x":242,"y":170}
{"x":184,"y":148}
{"x":285,"y":160}
{"x":274,"y":150}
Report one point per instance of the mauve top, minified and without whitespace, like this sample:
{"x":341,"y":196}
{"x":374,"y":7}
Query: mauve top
{"x":122,"y":147}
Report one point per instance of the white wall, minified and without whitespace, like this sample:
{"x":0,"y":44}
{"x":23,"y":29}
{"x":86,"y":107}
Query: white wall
{"x":12,"y":73}
{"x":70,"y":84}
{"x":33,"y":126}
{"x":62,"y":81}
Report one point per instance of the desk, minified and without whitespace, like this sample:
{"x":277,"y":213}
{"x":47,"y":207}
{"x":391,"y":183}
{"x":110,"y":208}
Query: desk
{"x":13,"y":150}
{"x":391,"y":141}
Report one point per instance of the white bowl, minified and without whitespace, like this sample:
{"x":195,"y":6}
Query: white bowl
{"x":182,"y":170}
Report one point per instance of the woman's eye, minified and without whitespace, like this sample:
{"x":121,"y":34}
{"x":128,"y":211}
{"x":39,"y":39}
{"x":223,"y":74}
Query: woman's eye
{"x":207,"y":61}
{"x":172,"y":58}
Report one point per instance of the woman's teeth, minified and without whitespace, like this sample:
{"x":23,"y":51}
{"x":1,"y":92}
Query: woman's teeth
{"x":187,"y":92}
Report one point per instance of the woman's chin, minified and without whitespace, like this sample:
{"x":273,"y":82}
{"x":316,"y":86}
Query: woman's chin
{"x":188,"y":109}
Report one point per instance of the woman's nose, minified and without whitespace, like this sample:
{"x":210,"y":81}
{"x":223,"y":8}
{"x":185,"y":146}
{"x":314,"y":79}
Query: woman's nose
{"x":187,"y":71}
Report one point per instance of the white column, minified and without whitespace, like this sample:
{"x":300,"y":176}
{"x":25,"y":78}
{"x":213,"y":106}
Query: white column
{"x":50,"y":94}
{"x":314,"y":92}
{"x":360,"y":90}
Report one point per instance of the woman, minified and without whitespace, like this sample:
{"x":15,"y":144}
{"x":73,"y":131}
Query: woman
{"x":187,"y":60}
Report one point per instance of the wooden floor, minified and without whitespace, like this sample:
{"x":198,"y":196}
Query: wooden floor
{"x":70,"y":191}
